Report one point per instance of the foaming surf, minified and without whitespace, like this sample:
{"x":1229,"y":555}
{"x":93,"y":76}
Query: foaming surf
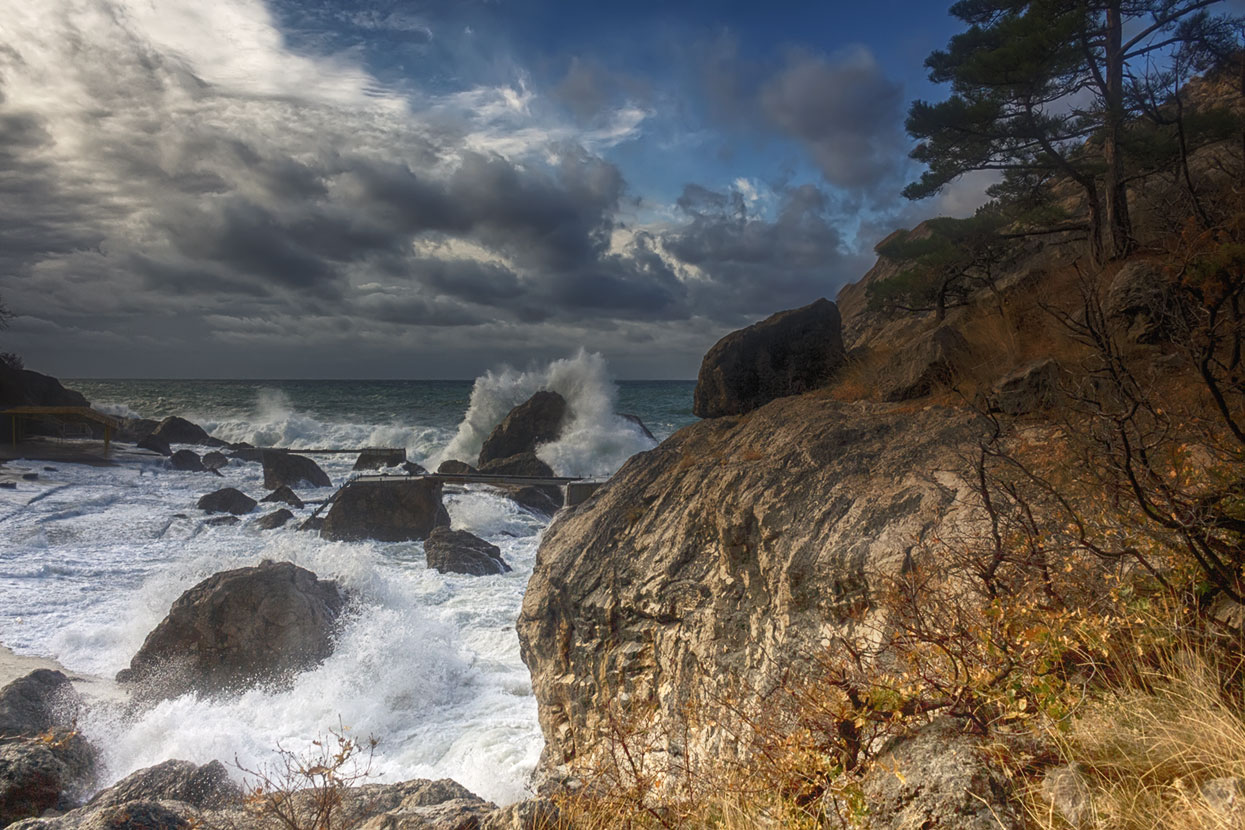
{"x":595,"y":441}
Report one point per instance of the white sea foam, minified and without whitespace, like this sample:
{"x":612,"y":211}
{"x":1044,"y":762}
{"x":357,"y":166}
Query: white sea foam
{"x":594,"y":442}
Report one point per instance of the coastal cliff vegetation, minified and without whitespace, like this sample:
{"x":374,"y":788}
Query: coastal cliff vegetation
{"x":989,"y":573}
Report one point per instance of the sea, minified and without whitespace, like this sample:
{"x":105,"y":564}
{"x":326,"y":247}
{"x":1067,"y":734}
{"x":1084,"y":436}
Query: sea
{"x":427,"y":663}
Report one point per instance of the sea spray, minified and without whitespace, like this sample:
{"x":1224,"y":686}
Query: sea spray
{"x":595,"y":441}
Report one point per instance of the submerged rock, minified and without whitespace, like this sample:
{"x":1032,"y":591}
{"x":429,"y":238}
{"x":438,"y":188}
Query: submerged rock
{"x":236,"y":629}
{"x":286,"y":495}
{"x":785,"y":354}
{"x":283,"y":468}
{"x":399,"y":511}
{"x":227,"y":500}
{"x":460,"y":552}
{"x":186,"y":461}
{"x":536,"y":421}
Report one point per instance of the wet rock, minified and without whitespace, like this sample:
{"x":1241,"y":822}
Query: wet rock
{"x":398,"y":511}
{"x":273,"y":520}
{"x":283,"y":468}
{"x":286,"y":495}
{"x":460,"y":552}
{"x":930,"y":361}
{"x":37,"y":702}
{"x":207,"y":786}
{"x":236,"y":629}
{"x":187,"y":461}
{"x":214,"y":460}
{"x":377,"y":459}
{"x":786,"y":354}
{"x":939,"y":778}
{"x":156,"y":444}
{"x":536,"y":421}
{"x":453,"y":467}
{"x":177,"y":430}
{"x":227,"y":500}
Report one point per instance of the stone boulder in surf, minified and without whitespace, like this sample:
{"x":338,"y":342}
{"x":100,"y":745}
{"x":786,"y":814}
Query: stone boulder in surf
{"x":283,"y":468}
{"x":536,"y":421}
{"x":402,"y":510}
{"x":460,"y":552}
{"x":236,"y":629}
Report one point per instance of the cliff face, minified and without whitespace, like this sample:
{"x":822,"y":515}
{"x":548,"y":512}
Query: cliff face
{"x":732,"y":550}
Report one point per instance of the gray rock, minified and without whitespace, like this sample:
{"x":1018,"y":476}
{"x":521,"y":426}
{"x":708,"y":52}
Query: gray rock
{"x":155,"y":444}
{"x":460,"y":552}
{"x":286,"y":495}
{"x":1032,"y":388}
{"x":1068,"y":792}
{"x":1225,"y":797}
{"x":536,"y":421}
{"x":207,"y":786}
{"x":377,"y":459}
{"x":186,"y":461}
{"x":177,"y":430}
{"x":214,"y":460}
{"x":227,"y":500}
{"x":273,"y":520}
{"x":453,"y":467}
{"x":931,"y":361}
{"x":36,"y":703}
{"x":938,"y":778}
{"x":399,"y":511}
{"x":236,"y":629}
{"x":283,"y":468}
{"x":788,"y":353}
{"x":1137,"y":302}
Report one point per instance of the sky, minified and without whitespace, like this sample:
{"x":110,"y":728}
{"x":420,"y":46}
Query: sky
{"x":386,"y":189}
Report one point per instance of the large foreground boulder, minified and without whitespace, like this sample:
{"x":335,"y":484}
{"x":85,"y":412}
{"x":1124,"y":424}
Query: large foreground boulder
{"x":236,"y":629}
{"x":460,"y":552}
{"x":732,"y":553}
{"x":177,"y":430}
{"x":287,"y":469}
{"x":536,"y":421}
{"x":227,"y":500}
{"x":786,"y":354}
{"x":401,"y":510}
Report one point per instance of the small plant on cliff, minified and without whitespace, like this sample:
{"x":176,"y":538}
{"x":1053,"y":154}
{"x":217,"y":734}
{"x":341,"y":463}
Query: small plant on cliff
{"x":308,"y":790}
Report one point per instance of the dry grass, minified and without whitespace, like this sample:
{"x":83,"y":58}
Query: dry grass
{"x":1148,"y":746}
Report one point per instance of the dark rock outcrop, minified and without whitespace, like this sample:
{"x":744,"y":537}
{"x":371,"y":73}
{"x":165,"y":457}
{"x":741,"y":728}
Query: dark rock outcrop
{"x":399,"y":511}
{"x":214,"y":460}
{"x":37,"y":702}
{"x":273,"y":520}
{"x":786,"y":354}
{"x":207,"y":786}
{"x":227,"y":500}
{"x":522,"y":464}
{"x":453,"y":467}
{"x":236,"y":629}
{"x":177,"y":430}
{"x":941,"y":779}
{"x":1030,"y":389}
{"x":378,"y":459}
{"x":187,"y":461}
{"x":460,"y":552}
{"x":156,"y":444}
{"x":286,"y":495}
{"x":536,"y":421}
{"x":283,"y":468}
{"x":930,"y":361}
{"x":707,"y":566}
{"x":1137,"y":302}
